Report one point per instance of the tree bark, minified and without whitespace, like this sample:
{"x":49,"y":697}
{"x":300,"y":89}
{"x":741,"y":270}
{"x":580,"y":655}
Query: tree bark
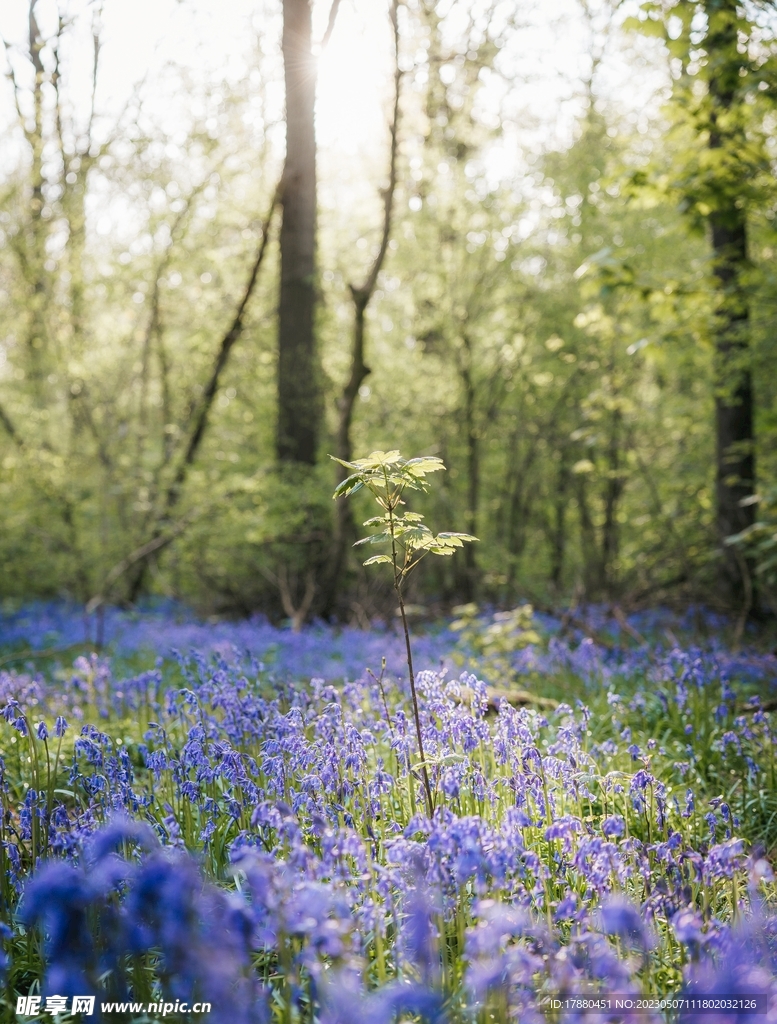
{"x":559,"y":528}
{"x":735,"y":458}
{"x":734,"y":428}
{"x":473,"y":467}
{"x":612,"y":494}
{"x":299,"y":409}
{"x":587,"y":538}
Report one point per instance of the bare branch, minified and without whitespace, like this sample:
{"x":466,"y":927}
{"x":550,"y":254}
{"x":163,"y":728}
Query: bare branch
{"x":10,"y":429}
{"x":296,"y":615}
{"x":361,"y":296}
{"x":330,"y":25}
{"x":365,"y":292}
{"x":152,"y":546}
{"x":96,"y":46}
{"x":11,"y":75}
{"x":156,"y":541}
{"x":227,"y":342}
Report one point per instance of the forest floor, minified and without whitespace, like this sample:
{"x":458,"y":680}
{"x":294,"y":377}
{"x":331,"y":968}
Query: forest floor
{"x":602,"y":788}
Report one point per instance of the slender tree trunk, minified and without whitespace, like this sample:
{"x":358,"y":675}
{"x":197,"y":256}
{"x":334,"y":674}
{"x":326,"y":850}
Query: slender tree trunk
{"x":612,"y":494}
{"x":734,"y":433}
{"x":36,"y":255}
{"x":473,"y":468}
{"x":559,"y":535}
{"x":361,"y":296}
{"x":587,"y":537}
{"x":298,"y":398}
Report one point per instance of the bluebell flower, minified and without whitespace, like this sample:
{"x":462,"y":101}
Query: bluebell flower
{"x":620,"y":917}
{"x":613,"y":826}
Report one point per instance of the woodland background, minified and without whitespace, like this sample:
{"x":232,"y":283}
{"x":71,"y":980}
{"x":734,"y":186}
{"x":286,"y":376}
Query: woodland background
{"x":572,"y":303}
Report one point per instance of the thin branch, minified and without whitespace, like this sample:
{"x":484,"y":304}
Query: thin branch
{"x":330,"y":25}
{"x":227,"y":342}
{"x":153,"y":327}
{"x":10,"y":429}
{"x":159,"y":538}
{"x":152,"y":546}
{"x":11,"y":75}
{"x":97,"y":46}
{"x":365,"y":292}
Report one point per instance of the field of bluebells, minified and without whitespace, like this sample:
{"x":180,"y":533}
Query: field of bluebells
{"x":235,"y":813}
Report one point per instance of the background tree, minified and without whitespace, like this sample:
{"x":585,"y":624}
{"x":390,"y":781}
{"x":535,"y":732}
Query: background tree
{"x":532,"y":307}
{"x":299,"y":406}
{"x":723,"y":175}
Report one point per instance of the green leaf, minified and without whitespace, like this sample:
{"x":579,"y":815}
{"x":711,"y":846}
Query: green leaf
{"x":414,"y":537}
{"x":349,"y":486}
{"x":428,"y":464}
{"x":348,"y":465}
{"x":377,"y":521}
{"x":376,"y":460}
{"x":374,"y":538}
{"x":378,"y":559}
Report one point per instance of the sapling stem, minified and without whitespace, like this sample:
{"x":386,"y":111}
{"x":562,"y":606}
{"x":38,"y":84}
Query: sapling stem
{"x":411,"y":673}
{"x":379,"y":681}
{"x":386,"y":475}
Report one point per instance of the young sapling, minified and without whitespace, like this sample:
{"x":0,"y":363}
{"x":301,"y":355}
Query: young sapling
{"x":387,"y":476}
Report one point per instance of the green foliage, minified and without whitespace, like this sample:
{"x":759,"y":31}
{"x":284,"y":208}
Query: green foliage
{"x":387,"y":476}
{"x":759,"y":542}
{"x":555,"y":352}
{"x":508,"y":632}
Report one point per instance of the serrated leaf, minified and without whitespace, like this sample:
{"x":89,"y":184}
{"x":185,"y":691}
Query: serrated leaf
{"x":425,"y":464}
{"x":415,"y":537}
{"x":375,"y":460}
{"x":378,"y":559}
{"x":350,"y":485}
{"x":374,"y":538}
{"x":348,"y":465}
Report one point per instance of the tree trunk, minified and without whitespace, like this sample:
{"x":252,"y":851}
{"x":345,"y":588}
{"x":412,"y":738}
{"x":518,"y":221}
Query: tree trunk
{"x":298,"y":398}
{"x":559,"y":533}
{"x":473,"y":468}
{"x":38,"y":229}
{"x":588,"y":544}
{"x":344,"y":527}
{"x":612,"y":494}
{"x":735,"y":456}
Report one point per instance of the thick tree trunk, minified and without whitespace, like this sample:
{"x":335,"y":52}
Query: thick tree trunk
{"x":298,"y":398}
{"x":734,"y":433}
{"x":735,"y":458}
